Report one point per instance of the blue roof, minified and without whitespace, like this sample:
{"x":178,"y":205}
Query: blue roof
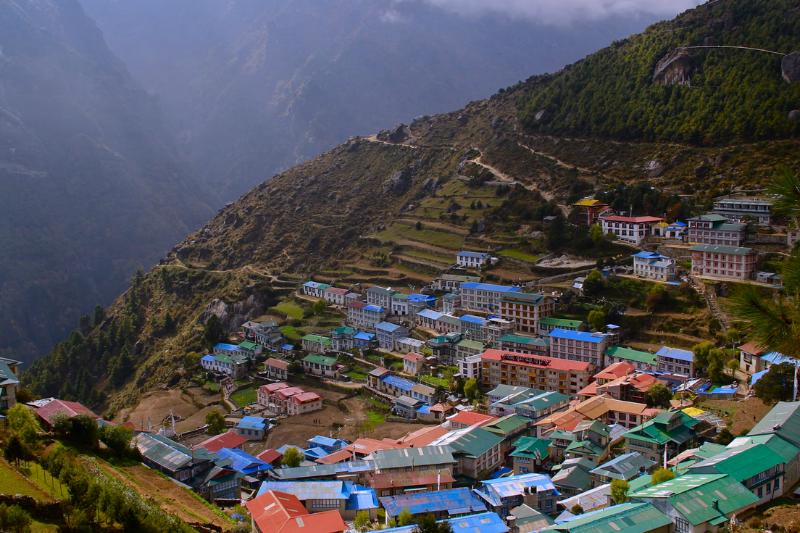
{"x":421,"y":298}
{"x":252,"y":422}
{"x":373,"y":308}
{"x":472,"y":319}
{"x":242,"y":461}
{"x":584,"y":336}
{"x":758,"y":375}
{"x":483,"y":522}
{"x":361,"y":498}
{"x":387,"y":326}
{"x":208,"y":358}
{"x":647,"y":255}
{"x":430,"y":313}
{"x":464,"y":253}
{"x":777,"y":358}
{"x":676,"y":353}
{"x":226,"y":346}
{"x":489,"y":287}
{"x":287,"y":346}
{"x":425,"y":409}
{"x":454,"y":501}
{"x":322,"y":440}
{"x":315,"y":453}
{"x":496,"y":490}
{"x":398,"y":382}
{"x":364,"y":336}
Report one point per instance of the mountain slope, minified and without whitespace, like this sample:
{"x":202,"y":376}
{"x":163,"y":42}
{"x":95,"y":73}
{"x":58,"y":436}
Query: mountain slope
{"x":255,"y":87}
{"x":90,"y":188}
{"x":387,"y":209}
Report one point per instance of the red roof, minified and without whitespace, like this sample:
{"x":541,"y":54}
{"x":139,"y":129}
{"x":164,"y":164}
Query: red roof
{"x":470,"y":418}
{"x":535,"y":361}
{"x":632,"y":220}
{"x":441,"y":407}
{"x":336,"y":290}
{"x":230,"y":439}
{"x":306,"y":397}
{"x":273,"y":387}
{"x":49,"y":411}
{"x":289,"y":392}
{"x":752,"y":348}
{"x":423,"y":437}
{"x":335,"y":457}
{"x":413,"y":356}
{"x":277,"y":363}
{"x":279,"y":512}
{"x":356,"y":304}
{"x":269,"y":456}
{"x":615,"y":370}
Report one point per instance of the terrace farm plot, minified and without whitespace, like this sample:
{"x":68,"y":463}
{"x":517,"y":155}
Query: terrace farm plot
{"x":12,"y":482}
{"x":398,"y":232}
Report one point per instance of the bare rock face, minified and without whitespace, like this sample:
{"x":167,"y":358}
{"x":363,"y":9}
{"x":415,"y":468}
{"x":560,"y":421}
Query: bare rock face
{"x":794,"y":115}
{"x":675,"y":68}
{"x":790,"y":67}
{"x":233,"y":315}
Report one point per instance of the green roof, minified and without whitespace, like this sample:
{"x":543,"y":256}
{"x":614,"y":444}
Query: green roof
{"x":639,"y":482}
{"x":655,"y":430}
{"x":782,"y":447}
{"x":508,"y":424}
{"x":560,"y":322}
{"x":694,"y":496}
{"x":248,"y":345}
{"x":344,"y":330}
{"x":720,"y":249}
{"x":782,"y":420}
{"x":471,"y":345}
{"x":740,"y":462}
{"x":530,"y":446}
{"x":709,"y":449}
{"x":320,"y":339}
{"x":318,"y":359}
{"x":574,"y":475}
{"x":524,"y":339}
{"x":624,"y":518}
{"x":475,"y":442}
{"x":585,"y":447}
{"x":621,"y":352}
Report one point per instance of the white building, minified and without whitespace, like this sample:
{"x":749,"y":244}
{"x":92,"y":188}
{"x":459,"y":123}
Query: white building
{"x":470,"y":367}
{"x":468,"y":259}
{"x":743,"y":208}
{"x":631,"y":229}
{"x":653,"y":265}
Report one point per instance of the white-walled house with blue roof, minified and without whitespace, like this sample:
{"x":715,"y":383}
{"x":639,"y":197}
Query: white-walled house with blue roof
{"x":314,"y":289}
{"x":363,"y":315}
{"x":469,"y":259}
{"x":676,"y":361}
{"x":233,"y":365}
{"x":503,"y":494}
{"x":388,"y":334}
{"x":653,"y":265}
{"x":578,"y":346}
{"x":252,"y":427}
{"x":483,"y":297}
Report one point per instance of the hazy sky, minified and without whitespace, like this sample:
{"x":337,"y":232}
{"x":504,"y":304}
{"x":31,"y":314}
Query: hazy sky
{"x":561,"y":12}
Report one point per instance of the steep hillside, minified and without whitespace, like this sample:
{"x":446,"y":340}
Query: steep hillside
{"x":388,"y":209}
{"x":253,"y":87}
{"x":90,"y":186}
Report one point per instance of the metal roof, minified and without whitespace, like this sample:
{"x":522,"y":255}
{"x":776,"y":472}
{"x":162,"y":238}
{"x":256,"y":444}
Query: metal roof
{"x":622,"y":352}
{"x":583,"y":336}
{"x":310,"y":490}
{"x":252,"y":422}
{"x":740,"y":462}
{"x":676,"y":353}
{"x":454,"y":501}
{"x":483,"y":523}
{"x":625,"y":518}
{"x":473,"y":442}
{"x":489,"y":287}
{"x":242,"y":461}
{"x":398,"y":382}
{"x":626,"y":466}
{"x":531,"y":447}
{"x":413,"y":457}
{"x":560,"y":322}
{"x":720,"y":249}
{"x":321,"y":470}
{"x":388,"y":327}
{"x":318,"y":359}
{"x":782,"y":420}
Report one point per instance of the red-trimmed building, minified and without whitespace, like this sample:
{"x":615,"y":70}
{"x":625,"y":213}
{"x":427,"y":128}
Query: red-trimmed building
{"x":631,"y":229}
{"x":229,"y":439}
{"x":499,"y":367}
{"x":279,"y":512}
{"x":302,"y":403}
{"x":465,"y":419}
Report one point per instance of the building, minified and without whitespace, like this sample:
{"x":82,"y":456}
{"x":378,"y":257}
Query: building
{"x":750,"y":358}
{"x":696,"y":503}
{"x":483,"y":522}
{"x":406,"y":407}
{"x":413,"y":363}
{"x":590,"y":209}
{"x":653,"y":265}
{"x":525,"y":370}
{"x":473,"y":327}
{"x":644,"y":361}
{"x":173,"y":459}
{"x":388,"y":333}
{"x":234,"y":366}
{"x":229,"y":439}
{"x":484,"y":297}
{"x":468,"y":259}
{"x":470,"y":367}
{"x":252,"y":427}
{"x":335,"y":296}
{"x":452,"y":301}
{"x":745,"y":208}
{"x":625,"y":467}
{"x":497,"y":328}
{"x":9,"y":382}
{"x":663,"y":436}
{"x":439,"y":503}
{"x":524,"y":344}
{"x":320,"y":365}
{"x":279,"y":512}
{"x":452,"y":282}
{"x":715,"y":229}
{"x":466,"y":419}
{"x":304,"y":402}
{"x":344,"y":497}
{"x":603,"y":408}
{"x":531,"y":403}
{"x":548,"y":324}
{"x":427,"y":319}
{"x":265,"y":333}
{"x":429,"y":457}
{"x":414,"y":481}
{"x":448,"y":324}
{"x":525,"y":309}
{"x":578,"y":346}
{"x":728,"y":262}
{"x":573,"y":477}
{"x":676,"y":361}
{"x":630,"y":388}
{"x":363,"y":315}
{"x":530,"y":454}
{"x":629,"y":517}
{"x":477,"y":451}
{"x":342,"y":338}
{"x":630,"y":229}
{"x":506,"y":493}
{"x":316,"y":343}
{"x":467,"y":348}
{"x":364,"y":340}
{"x":382,"y":297}
{"x":266,"y":393}
{"x":276,"y":369}
{"x":314,"y":289}
{"x":53,"y":409}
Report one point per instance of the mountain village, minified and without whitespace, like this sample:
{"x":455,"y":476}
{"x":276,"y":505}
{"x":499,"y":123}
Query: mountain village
{"x":520,"y":418}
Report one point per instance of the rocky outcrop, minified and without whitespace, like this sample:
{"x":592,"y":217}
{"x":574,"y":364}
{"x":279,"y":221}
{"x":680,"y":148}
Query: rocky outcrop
{"x":675,"y":68}
{"x":790,"y":67}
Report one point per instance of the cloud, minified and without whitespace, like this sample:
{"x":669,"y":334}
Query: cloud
{"x":564,"y":12}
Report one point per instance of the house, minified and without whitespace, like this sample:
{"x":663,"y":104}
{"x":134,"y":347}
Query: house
{"x":328,"y":444}
{"x":264,"y":333}
{"x":427,"y":319}
{"x":470,"y":368}
{"x":429,"y":457}
{"x":638,"y":359}
{"x":435,"y":413}
{"x":413,"y":481}
{"x":314,"y":289}
{"x":220,"y":484}
{"x":750,"y":358}
{"x":466,"y":348}
{"x":529,"y":454}
{"x":548,"y":324}
{"x":676,"y":361}
{"x":728,"y":262}
{"x":715,"y":229}
{"x":590,"y":440}
{"x":408,"y":345}
{"x":630,"y":388}
{"x":271,"y":456}
{"x":173,"y":459}
{"x":282,"y":398}
{"x":252,"y":427}
{"x":525,"y":309}
{"x":9,"y":382}
{"x":509,"y":427}
{"x":320,"y":365}
{"x":497,"y":328}
{"x":696,"y":503}
{"x":234,"y":366}
{"x":250,"y":349}
{"x":483,"y":522}
{"x":364,"y":340}
{"x":484,"y":297}
{"x":603,"y":408}
{"x":406,"y":407}
{"x":780,"y":431}
{"x":243,"y":462}
{"x":466,"y":419}
{"x":345,"y":497}
{"x":629,"y":517}
{"x":388,"y":333}
{"x":266,"y":393}
{"x":451,"y":301}
{"x":503,"y":494}
{"x":663,"y":436}
{"x":452,"y":282}
{"x":525,"y":370}
{"x":653,"y":265}
{"x":590,"y":209}
{"x":52,"y":410}
{"x":745,"y":208}
{"x":468,"y":259}
{"x":476,"y":450}
{"x":473,"y":327}
{"x":526,"y":519}
{"x":524,"y":344}
{"x":424,"y":393}
{"x":630,"y":229}
{"x":316,"y":343}
{"x":413,"y":363}
{"x":279,"y":512}
{"x":625,"y":467}
{"x":382,"y":297}
{"x":390,"y":384}
{"x":229,"y":439}
{"x":439,"y":503}
{"x":363,"y":315}
{"x":276,"y":369}
{"x":303,"y":402}
{"x":375,"y":378}
{"x":335,"y":296}
{"x":342,"y":339}
{"x":573,"y":477}
{"x":531,"y":403}
{"x":578,"y":346}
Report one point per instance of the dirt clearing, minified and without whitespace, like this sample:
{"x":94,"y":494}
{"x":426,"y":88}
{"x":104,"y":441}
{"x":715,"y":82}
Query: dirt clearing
{"x":189,"y":407}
